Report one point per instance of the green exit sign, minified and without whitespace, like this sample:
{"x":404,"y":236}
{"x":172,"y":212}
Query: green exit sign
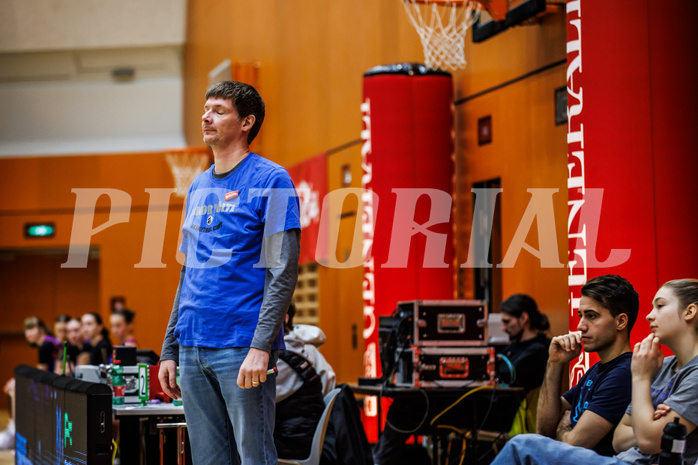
{"x":39,"y":230}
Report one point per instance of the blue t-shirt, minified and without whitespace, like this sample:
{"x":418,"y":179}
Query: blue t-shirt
{"x":605,"y":389}
{"x":225,"y":224}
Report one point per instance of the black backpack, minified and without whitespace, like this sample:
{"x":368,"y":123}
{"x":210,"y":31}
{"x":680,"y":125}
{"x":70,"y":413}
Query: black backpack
{"x":345,"y":441}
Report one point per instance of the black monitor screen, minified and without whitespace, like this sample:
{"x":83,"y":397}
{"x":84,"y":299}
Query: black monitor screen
{"x":61,"y":420}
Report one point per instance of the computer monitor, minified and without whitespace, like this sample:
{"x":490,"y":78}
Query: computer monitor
{"x":61,"y":420}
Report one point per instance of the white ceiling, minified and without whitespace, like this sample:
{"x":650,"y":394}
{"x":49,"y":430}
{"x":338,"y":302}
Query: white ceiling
{"x":59,"y":93}
{"x":42,"y":25}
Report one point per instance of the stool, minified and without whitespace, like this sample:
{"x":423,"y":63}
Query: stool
{"x":181,"y":440}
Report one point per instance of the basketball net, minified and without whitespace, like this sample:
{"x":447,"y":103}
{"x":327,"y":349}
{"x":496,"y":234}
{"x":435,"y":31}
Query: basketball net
{"x":442,"y":26}
{"x":186,"y":164}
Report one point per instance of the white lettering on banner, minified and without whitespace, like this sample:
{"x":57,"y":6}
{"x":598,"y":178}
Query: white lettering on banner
{"x":367,"y":228}
{"x":309,"y":199}
{"x":370,"y":358}
{"x":576,"y":227}
{"x":368,"y":224}
{"x":369,"y":297}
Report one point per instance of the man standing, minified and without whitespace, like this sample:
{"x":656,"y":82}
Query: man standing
{"x":241,"y":240}
{"x":587,"y":414}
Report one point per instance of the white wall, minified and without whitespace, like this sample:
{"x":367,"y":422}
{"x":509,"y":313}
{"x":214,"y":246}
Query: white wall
{"x":40,"y":25}
{"x":58,"y":92}
{"x":90,"y":117}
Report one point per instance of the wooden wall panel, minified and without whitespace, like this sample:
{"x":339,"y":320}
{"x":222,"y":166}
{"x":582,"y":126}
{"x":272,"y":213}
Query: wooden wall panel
{"x":341,"y":298}
{"x":312,"y":56}
{"x":33,"y":284}
{"x":527,"y":151}
{"x":149,"y":291}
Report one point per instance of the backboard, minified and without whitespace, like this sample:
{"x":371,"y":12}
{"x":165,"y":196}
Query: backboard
{"x":519,"y":12}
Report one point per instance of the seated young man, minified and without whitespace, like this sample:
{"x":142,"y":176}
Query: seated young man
{"x":587,"y":414}
{"x":662,"y":390}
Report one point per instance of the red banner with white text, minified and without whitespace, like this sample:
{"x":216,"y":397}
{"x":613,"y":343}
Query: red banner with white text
{"x":631,"y":148}
{"x":310,"y":179}
{"x":407,"y":199}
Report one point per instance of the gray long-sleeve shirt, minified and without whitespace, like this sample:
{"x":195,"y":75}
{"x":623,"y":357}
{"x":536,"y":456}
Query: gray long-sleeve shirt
{"x":279,"y":284}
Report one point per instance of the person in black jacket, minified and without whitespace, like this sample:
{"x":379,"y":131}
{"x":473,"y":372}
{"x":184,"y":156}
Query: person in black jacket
{"x":526,"y":327}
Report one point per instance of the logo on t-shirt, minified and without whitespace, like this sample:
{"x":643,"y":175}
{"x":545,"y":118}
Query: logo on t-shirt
{"x":219,"y":207}
{"x":660,"y":395}
{"x":206,"y":230}
{"x":582,"y":404}
{"x":231,"y":195}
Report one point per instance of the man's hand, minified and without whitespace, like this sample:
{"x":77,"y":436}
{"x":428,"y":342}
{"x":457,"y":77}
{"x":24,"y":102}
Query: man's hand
{"x":662,"y":411}
{"x":565,"y":348}
{"x":168,"y":378}
{"x":647,"y":358}
{"x":253,"y":370}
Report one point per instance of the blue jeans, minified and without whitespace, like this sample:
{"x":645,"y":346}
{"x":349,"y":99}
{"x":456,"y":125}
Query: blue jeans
{"x":224,"y":420}
{"x":533,"y":449}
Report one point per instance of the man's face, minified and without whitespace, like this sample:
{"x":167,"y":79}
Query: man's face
{"x":597,"y":325}
{"x":512,"y":326}
{"x":220,"y":122}
{"x":75,"y":333}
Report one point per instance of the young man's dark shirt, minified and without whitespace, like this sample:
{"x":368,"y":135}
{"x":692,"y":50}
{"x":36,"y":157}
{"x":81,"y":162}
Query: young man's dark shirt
{"x":605,"y":389}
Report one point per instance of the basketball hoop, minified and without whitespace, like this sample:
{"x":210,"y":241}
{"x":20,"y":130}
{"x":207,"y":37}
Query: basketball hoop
{"x":186,"y":164}
{"x":442,"y":25}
